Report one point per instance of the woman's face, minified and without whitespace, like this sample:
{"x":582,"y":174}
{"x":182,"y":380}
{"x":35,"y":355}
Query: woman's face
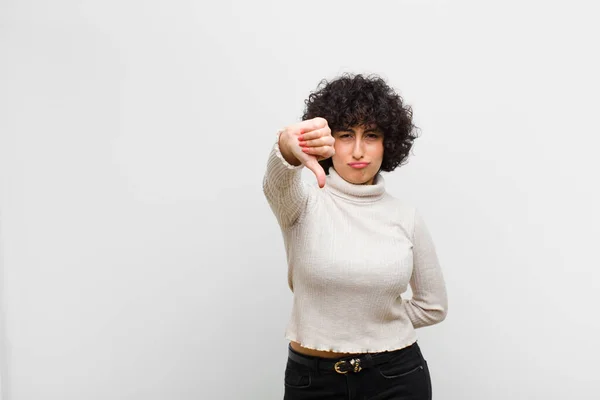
{"x":358,"y":153}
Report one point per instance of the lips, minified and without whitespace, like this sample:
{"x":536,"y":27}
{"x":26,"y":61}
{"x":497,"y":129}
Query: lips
{"x":359,"y":165}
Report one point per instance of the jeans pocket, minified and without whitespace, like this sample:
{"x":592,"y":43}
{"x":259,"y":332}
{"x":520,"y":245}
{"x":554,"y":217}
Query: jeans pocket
{"x":297,"y":377}
{"x":394,"y":371}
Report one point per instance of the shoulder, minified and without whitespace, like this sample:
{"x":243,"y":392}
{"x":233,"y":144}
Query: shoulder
{"x":403,"y":207}
{"x":403,"y":212}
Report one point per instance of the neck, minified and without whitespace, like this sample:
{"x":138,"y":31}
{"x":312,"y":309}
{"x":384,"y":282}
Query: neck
{"x":370,"y":191}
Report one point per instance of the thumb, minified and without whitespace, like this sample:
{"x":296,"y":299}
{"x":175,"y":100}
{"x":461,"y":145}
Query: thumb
{"x":316,"y":168}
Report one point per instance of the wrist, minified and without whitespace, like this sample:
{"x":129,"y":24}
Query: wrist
{"x":285,"y":149}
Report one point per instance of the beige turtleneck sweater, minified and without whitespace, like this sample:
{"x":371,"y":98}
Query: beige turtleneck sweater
{"x":352,"y":250}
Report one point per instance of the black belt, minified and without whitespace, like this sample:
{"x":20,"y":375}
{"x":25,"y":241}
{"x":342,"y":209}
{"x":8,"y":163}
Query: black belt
{"x":347,"y":364}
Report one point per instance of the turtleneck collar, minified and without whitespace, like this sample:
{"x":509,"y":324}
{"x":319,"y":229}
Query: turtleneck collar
{"x":357,"y":193}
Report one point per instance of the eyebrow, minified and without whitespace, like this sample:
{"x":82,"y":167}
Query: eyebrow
{"x":347,"y":129}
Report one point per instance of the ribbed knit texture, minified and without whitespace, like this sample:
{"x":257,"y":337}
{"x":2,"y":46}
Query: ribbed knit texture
{"x":352,"y":250}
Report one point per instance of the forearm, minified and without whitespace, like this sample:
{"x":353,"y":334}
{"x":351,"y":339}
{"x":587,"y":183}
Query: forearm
{"x":427,"y":311}
{"x":283,"y":187}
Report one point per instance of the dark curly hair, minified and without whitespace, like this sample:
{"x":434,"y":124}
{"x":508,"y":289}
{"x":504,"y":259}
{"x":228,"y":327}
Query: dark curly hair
{"x":351,"y":100}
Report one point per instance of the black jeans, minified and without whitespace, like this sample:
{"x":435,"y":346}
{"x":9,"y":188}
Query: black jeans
{"x":394,"y":375}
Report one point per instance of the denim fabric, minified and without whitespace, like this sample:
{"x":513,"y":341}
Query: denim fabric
{"x":404,"y":377}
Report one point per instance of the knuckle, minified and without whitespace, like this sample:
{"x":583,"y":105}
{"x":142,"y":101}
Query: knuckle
{"x":320,"y":122}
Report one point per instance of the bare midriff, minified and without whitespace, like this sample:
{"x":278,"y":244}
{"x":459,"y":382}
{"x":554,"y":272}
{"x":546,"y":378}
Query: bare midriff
{"x":297,"y":347}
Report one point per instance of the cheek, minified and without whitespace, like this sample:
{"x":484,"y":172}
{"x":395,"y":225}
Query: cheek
{"x":378,"y":152}
{"x":339,"y":150}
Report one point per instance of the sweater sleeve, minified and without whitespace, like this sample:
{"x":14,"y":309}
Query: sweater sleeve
{"x":429,"y":303}
{"x":286,"y":192}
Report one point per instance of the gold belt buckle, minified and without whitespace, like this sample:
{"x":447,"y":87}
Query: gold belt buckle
{"x":355,"y":363}
{"x":337,"y":367}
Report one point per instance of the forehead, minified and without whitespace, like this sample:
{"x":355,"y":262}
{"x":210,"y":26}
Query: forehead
{"x":361,"y":127}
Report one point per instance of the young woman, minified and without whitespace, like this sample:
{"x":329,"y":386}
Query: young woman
{"x":352,"y":248}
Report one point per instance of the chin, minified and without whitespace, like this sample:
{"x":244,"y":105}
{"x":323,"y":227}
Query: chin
{"x":357,"y":176}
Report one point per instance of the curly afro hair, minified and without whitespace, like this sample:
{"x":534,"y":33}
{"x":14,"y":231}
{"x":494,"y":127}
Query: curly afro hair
{"x":356,"y":100}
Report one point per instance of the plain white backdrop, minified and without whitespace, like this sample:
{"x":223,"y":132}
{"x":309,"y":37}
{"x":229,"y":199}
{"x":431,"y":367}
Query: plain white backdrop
{"x":140,"y":259}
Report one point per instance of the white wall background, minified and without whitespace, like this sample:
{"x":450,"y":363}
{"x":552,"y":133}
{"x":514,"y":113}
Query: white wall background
{"x":141,"y":261}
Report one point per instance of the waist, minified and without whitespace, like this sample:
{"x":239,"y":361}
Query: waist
{"x":343,"y":362}
{"x":297,"y":347}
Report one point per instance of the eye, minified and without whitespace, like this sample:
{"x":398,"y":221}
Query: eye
{"x":372,"y":136}
{"x":344,"y":135}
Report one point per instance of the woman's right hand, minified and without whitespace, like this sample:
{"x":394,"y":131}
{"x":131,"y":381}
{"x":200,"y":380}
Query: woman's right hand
{"x":307,"y":143}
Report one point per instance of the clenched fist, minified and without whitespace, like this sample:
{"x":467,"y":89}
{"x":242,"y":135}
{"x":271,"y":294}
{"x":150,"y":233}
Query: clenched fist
{"x":307,"y":143}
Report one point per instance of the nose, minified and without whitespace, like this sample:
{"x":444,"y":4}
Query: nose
{"x":357,"y":150}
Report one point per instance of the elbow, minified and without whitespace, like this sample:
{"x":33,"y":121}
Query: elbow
{"x":437,"y":310}
{"x":441,"y":311}
{"x":436,"y":315}
{"x":440,"y":315}
{"x":423,"y":315}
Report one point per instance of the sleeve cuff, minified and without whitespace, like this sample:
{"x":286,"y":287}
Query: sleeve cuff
{"x":280,"y":156}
